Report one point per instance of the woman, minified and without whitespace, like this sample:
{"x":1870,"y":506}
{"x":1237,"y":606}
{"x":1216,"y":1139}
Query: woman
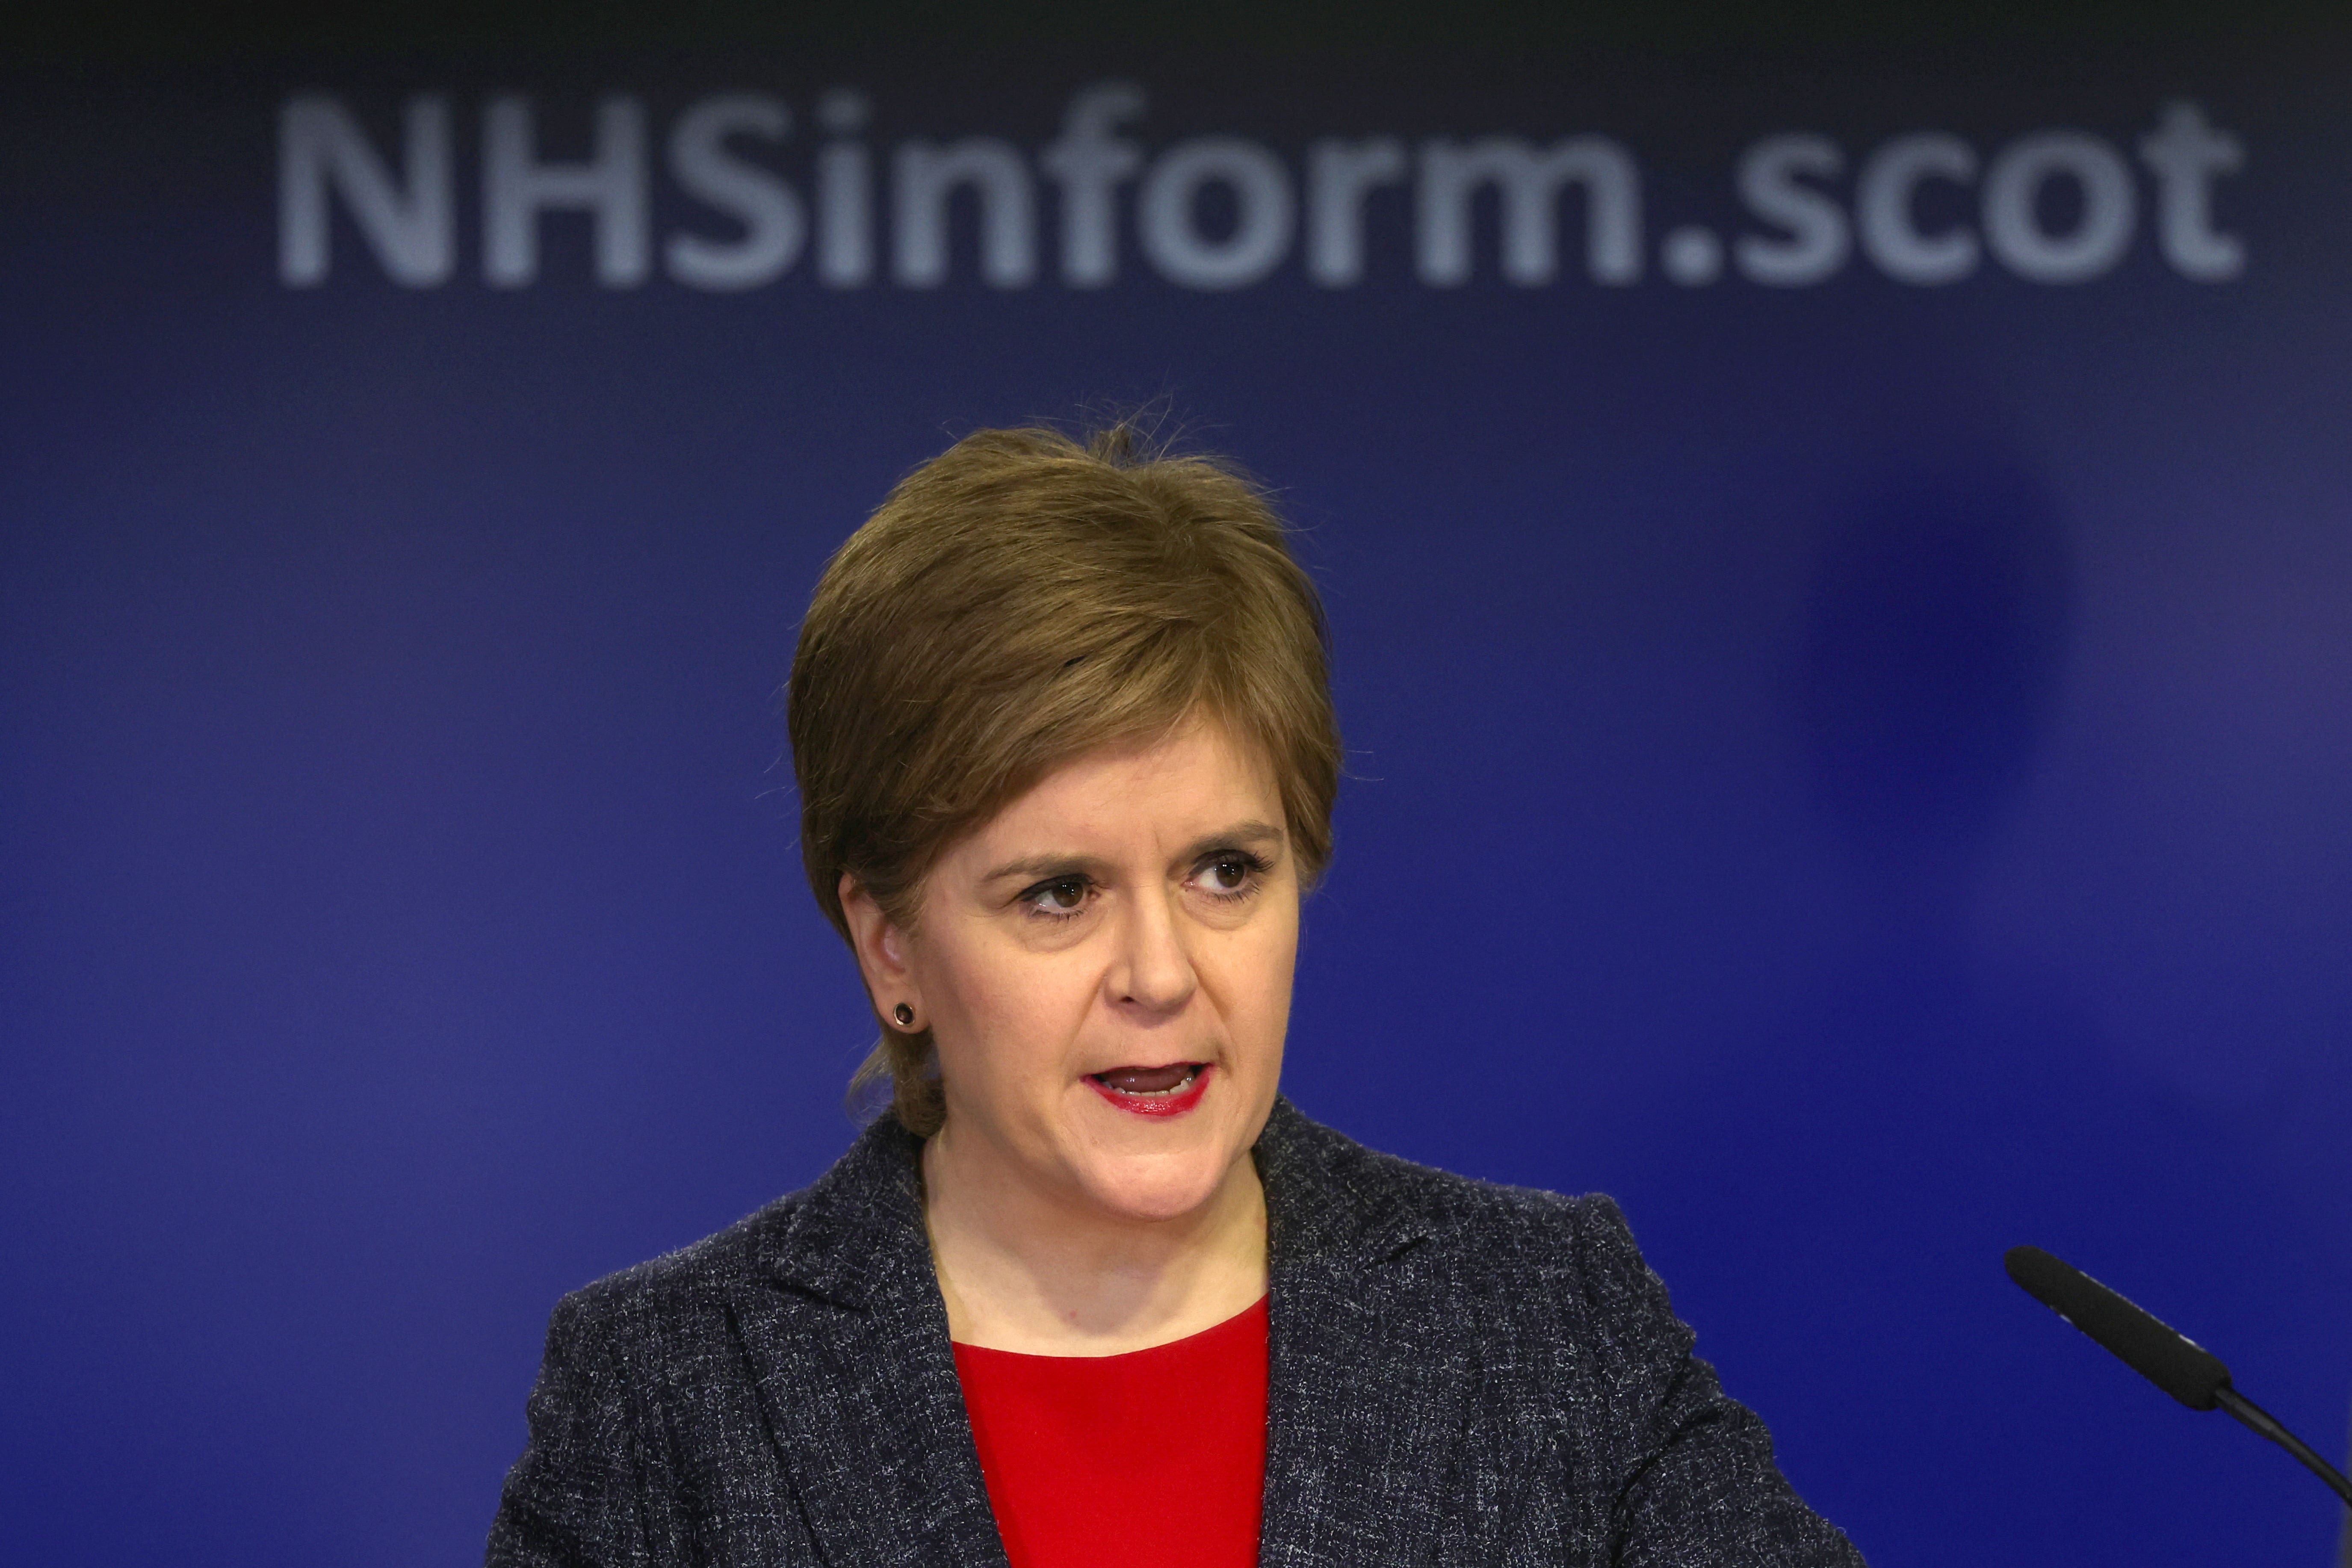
{"x":1091,"y":1291}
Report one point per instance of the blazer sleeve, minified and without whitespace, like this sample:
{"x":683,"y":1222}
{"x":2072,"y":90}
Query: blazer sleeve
{"x":1696,"y":1482}
{"x":572,"y":1501}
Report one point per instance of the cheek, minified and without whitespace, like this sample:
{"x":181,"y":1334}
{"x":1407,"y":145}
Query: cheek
{"x":1256,"y":978}
{"x":1003,"y":1012}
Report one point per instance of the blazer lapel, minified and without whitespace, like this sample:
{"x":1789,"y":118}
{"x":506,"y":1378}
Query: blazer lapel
{"x":849,"y":1344}
{"x":1369,"y":1380}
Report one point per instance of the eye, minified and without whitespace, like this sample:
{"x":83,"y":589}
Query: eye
{"x":1057,"y":899}
{"x":1229,"y":874}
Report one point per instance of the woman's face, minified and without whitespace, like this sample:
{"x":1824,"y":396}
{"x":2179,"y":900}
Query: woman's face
{"x":1105,"y":967}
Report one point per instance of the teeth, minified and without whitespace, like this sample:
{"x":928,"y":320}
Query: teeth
{"x":1180,"y":1084}
{"x":1190,"y":1075}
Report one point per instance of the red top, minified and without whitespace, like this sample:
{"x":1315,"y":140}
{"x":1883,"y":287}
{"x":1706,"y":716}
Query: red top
{"x":1151,"y":1459}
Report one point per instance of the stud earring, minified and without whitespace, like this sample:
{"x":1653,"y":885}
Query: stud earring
{"x":905,"y":1014}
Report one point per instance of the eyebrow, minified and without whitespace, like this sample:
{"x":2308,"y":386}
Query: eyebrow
{"x":1039,"y":866}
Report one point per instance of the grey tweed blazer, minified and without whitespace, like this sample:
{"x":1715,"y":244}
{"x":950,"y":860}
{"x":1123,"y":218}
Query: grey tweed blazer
{"x":1462,"y":1374}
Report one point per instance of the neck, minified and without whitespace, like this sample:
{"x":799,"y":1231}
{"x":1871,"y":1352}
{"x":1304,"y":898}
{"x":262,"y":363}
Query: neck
{"x":1049,"y":1273}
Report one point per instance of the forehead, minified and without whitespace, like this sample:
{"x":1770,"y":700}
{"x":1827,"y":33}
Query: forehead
{"x":1199,"y":778}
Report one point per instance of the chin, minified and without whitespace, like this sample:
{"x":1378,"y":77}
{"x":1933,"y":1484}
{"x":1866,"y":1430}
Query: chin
{"x":1152,"y":1187}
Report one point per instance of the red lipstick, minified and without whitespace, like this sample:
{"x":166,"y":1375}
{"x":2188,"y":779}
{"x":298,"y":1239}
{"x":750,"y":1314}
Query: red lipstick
{"x":1169,"y":1090}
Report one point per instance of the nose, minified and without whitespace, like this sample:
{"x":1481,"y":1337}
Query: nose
{"x":1153,"y":971}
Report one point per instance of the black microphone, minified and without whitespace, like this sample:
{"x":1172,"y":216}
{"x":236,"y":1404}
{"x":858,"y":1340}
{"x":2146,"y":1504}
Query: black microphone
{"x":2157,"y":1352}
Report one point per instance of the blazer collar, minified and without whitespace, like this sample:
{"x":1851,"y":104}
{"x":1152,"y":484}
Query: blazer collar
{"x":1328,"y":1207}
{"x":1369,"y":1372}
{"x":856,"y":1234}
{"x":856,"y":1372}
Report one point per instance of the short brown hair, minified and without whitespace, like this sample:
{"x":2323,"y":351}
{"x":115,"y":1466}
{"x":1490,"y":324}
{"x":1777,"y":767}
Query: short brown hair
{"x":1018,"y":601}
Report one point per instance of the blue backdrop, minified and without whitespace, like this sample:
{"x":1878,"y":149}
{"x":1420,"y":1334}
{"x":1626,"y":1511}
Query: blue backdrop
{"x":1840,"y":564}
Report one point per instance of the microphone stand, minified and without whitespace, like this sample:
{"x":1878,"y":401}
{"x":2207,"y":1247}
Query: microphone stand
{"x":2262,"y":1421}
{"x":2344,"y":1546}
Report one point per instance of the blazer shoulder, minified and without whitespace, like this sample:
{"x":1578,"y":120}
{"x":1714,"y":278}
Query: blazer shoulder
{"x":854,"y":1231}
{"x":1513,"y":1228}
{"x":1528,"y":1230}
{"x":715,"y":1264}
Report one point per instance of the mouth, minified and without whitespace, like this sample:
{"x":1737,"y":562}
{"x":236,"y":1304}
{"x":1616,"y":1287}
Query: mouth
{"x":1169,"y":1091}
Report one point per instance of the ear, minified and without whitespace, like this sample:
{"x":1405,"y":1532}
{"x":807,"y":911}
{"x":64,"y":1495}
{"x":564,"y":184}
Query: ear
{"x":881,"y":949}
